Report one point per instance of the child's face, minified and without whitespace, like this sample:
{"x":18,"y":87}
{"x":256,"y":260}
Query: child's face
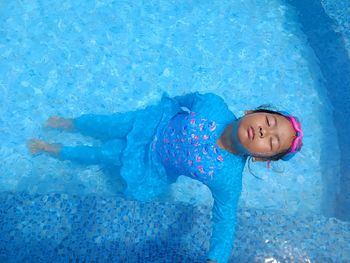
{"x":265,"y":133}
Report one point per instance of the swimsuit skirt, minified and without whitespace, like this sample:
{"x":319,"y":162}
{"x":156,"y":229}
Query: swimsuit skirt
{"x":144,"y":173}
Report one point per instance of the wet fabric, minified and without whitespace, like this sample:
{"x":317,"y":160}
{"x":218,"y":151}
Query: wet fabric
{"x":177,"y":136}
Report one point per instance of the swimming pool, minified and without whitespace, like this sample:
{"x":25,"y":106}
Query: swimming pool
{"x":77,"y":57}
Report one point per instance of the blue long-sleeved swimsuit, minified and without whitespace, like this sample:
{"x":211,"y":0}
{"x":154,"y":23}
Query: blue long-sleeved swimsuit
{"x":153,"y":146}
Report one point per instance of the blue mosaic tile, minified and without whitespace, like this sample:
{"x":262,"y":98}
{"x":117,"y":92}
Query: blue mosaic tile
{"x":72,"y":228}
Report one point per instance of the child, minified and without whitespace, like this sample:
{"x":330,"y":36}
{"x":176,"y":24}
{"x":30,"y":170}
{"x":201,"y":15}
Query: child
{"x":194,"y":135}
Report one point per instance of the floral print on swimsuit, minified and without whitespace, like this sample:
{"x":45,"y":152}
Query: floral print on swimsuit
{"x":188,"y":145}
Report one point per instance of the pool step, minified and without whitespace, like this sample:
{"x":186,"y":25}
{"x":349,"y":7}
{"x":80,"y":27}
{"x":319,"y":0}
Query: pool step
{"x":58,"y":227}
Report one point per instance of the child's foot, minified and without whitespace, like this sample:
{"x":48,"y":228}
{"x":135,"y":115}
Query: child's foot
{"x":57,"y":122}
{"x":36,"y":146}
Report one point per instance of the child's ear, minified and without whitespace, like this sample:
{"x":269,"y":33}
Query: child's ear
{"x":257,"y":159}
{"x":248,"y":112}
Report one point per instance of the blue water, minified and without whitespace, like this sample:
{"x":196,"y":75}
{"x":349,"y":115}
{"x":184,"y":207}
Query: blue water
{"x":73,"y":57}
{"x":101,"y":57}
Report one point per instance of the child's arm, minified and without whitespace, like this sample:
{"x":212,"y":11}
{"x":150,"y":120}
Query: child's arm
{"x":224,"y":223}
{"x":187,"y":100}
{"x":208,"y":102}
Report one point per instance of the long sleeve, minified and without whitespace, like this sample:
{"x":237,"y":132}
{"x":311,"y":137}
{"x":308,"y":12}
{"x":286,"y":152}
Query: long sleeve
{"x":208,"y":104}
{"x":224,"y":222}
{"x":187,"y":100}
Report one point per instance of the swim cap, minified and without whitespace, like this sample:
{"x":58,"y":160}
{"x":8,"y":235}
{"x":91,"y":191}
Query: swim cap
{"x":298,"y":140}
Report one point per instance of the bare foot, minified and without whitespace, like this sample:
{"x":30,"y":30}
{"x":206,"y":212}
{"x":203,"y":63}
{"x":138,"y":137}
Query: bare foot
{"x":36,"y":146}
{"x":57,"y":122}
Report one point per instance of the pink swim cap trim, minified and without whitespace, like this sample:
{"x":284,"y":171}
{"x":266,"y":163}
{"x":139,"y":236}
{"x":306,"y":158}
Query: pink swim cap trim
{"x":298,"y":140}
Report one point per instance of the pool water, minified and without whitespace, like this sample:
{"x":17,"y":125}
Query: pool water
{"x":63,"y":59}
{"x":72,"y":57}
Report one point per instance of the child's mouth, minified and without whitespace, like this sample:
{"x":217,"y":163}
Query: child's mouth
{"x":251,"y":133}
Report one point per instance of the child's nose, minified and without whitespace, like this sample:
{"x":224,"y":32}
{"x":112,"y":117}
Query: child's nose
{"x":262,"y":132}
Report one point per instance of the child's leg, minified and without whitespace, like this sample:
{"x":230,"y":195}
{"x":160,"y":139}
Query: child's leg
{"x":108,"y":153}
{"x":105,"y":127}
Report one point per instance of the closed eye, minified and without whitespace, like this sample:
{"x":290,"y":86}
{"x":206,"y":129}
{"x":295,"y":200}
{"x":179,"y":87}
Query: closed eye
{"x":275,"y":141}
{"x":271,"y":144}
{"x":267,"y":121}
